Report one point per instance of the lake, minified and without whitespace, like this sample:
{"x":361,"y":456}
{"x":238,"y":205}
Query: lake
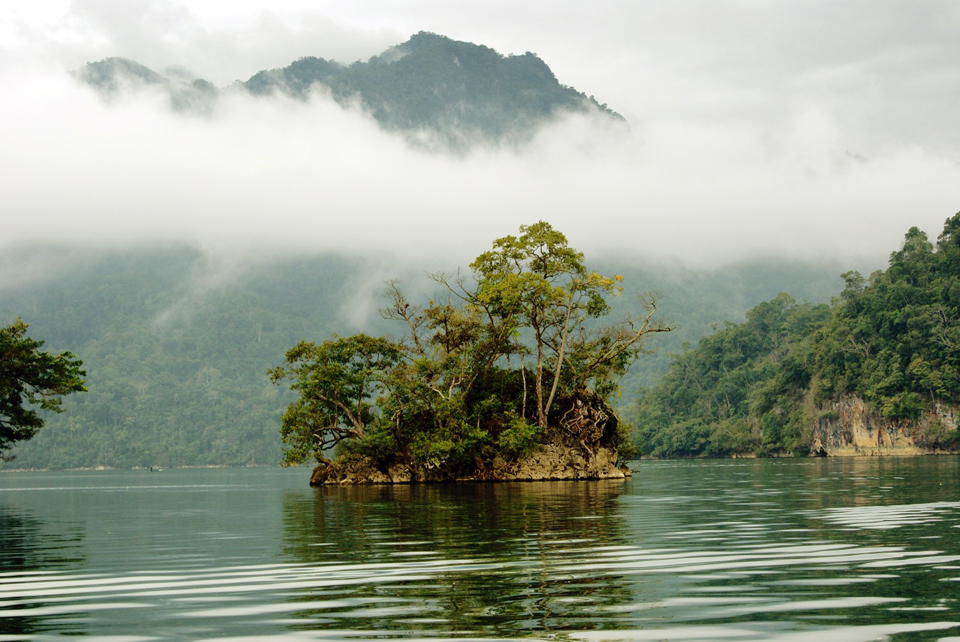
{"x":791,"y":549}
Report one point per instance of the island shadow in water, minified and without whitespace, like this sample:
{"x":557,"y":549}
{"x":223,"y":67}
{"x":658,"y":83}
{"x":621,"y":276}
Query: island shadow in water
{"x":478,"y":558}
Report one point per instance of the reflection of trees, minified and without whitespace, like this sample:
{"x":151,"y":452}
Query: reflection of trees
{"x":27,"y":546}
{"x":504,"y":544}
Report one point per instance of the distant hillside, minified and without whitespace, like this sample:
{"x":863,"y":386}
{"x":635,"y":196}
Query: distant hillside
{"x":114,"y":76}
{"x":176,"y":347}
{"x":774,"y":384}
{"x":451,"y":91}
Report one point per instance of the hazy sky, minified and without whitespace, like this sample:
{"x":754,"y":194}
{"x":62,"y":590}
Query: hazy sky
{"x":802,"y":129}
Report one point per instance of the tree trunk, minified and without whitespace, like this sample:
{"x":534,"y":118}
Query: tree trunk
{"x":541,"y":415}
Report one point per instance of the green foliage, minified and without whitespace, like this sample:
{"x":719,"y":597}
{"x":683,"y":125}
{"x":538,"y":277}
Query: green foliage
{"x":31,"y":377}
{"x":537,"y":282}
{"x":895,"y":338}
{"x":519,"y":437}
{"x":739,"y":392}
{"x":892,"y":339}
{"x":936,"y":436}
{"x":699,"y":302}
{"x":175,"y":344}
{"x":338,"y":383}
{"x":454,"y":394}
{"x":175,"y":347}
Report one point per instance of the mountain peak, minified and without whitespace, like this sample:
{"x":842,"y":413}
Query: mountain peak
{"x":110,"y":75}
{"x":453,"y":91}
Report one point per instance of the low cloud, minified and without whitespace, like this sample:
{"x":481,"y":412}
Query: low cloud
{"x":734,"y":170}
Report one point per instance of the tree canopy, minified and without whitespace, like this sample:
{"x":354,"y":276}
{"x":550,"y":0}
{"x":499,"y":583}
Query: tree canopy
{"x":500,"y":359}
{"x":31,"y":377}
{"x":175,"y":360}
{"x":891,"y":339}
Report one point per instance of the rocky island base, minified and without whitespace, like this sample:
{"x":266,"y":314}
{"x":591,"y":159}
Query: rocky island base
{"x":547,"y":462}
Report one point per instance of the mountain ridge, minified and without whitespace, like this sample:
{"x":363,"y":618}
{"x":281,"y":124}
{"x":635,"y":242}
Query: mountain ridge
{"x":457,"y":92}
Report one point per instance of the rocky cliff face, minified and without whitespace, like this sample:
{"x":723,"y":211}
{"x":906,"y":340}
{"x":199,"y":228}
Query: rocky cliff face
{"x":851,"y":427}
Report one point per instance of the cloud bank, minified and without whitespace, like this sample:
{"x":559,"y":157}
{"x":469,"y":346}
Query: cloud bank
{"x":754,"y":131}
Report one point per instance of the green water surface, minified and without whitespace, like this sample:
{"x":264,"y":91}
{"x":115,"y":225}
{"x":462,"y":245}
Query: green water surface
{"x":818,"y":549}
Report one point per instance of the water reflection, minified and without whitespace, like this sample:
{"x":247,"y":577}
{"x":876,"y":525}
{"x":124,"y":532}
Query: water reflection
{"x":754,"y":550}
{"x":757,"y":550}
{"x":363,"y":522}
{"x":794,"y":544}
{"x":474,"y":559}
{"x":30,"y":549}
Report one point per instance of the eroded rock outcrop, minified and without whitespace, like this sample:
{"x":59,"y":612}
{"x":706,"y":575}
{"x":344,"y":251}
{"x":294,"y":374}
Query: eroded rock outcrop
{"x":852,"y":427}
{"x":547,"y":462}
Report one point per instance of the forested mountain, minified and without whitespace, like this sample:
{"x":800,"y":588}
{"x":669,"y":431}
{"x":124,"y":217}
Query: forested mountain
{"x":175,"y":356}
{"x":456,"y":91}
{"x":114,"y":76}
{"x":891,"y":339}
{"x":176,"y":344}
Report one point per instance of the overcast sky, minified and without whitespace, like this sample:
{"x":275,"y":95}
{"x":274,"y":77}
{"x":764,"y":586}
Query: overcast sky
{"x":800,"y":129}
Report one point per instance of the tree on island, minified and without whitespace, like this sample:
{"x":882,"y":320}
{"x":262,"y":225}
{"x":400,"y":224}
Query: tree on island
{"x":30,"y":377}
{"x":500,"y":364}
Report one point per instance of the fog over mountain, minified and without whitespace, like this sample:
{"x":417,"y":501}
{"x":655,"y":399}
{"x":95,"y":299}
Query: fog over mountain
{"x":190,"y":187}
{"x":443,"y":95}
{"x":806,"y":130}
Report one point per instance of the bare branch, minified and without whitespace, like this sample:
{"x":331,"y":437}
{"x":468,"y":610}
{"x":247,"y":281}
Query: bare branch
{"x":401,"y":310}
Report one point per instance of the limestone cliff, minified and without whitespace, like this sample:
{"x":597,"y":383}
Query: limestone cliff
{"x":852,"y":427}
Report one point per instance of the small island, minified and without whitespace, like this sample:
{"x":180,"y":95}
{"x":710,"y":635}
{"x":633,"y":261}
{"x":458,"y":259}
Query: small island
{"x":507,"y":375}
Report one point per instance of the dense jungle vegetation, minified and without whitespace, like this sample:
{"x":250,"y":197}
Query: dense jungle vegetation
{"x":891,"y":339}
{"x":175,"y":342}
{"x":504,"y":358}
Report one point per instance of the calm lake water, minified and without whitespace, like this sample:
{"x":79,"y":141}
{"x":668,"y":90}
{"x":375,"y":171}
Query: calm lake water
{"x":834,"y":549}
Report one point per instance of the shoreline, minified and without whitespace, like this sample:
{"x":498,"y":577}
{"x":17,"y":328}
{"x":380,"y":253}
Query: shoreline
{"x":844,"y":455}
{"x":148,"y":469}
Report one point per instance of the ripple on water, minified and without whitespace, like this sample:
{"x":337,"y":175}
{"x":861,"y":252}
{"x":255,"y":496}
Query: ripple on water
{"x":887,"y":517}
{"x":677,"y":555}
